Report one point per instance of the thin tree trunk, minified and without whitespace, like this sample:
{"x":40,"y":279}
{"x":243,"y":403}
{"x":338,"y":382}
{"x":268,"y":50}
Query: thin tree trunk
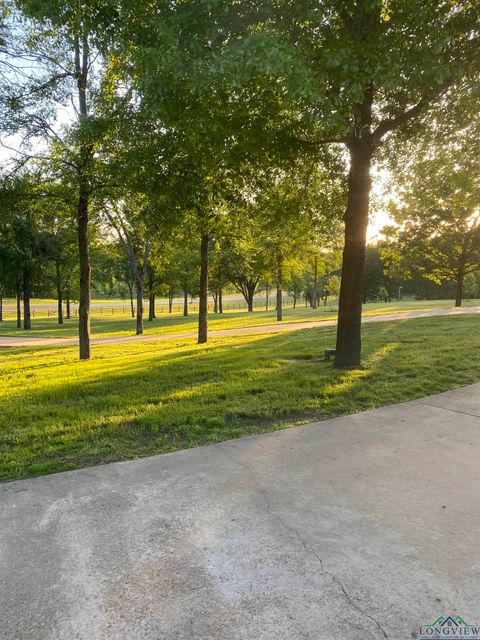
{"x":19,"y":310}
{"x":59,"y":305}
{"x":220,"y":301}
{"x":132,"y":306}
{"x":348,"y":348}
{"x":185,"y":300}
{"x":203,"y":296}
{"x":459,"y":286}
{"x":170,"y":300}
{"x":139,"y":284}
{"x":140,"y":271}
{"x":279,"y":290}
{"x":151,"y":306}
{"x":313,"y":299}
{"x":279,"y":302}
{"x":1,"y":307}
{"x":267,"y":291}
{"x":294,"y":300}
{"x":151,"y":296}
{"x":69,"y":315}
{"x":27,"y":322}
{"x":215,"y":302}
{"x":85,"y":275}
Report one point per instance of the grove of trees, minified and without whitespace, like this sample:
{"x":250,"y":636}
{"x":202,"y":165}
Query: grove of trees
{"x":196,"y":147}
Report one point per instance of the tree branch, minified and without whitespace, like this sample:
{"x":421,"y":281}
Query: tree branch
{"x":394,"y":123}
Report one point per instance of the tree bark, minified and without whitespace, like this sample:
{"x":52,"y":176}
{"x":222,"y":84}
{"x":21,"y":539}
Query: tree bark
{"x":459,"y":286}
{"x":279,"y":290}
{"x":215,"y":301}
{"x":1,"y":307}
{"x":294,"y":300}
{"x":170,"y":300}
{"x":68,"y":310}
{"x":203,"y":296}
{"x":59,"y":304}
{"x":27,"y":322}
{"x":139,"y":285}
{"x":313,"y":298}
{"x":251,"y":293}
{"x":220,"y":301}
{"x":151,"y":307}
{"x":81,"y":51}
{"x":151,"y":295}
{"x":348,"y":348}
{"x":132,"y":305}
{"x":185,"y":300}
{"x":19,"y":310}
{"x":85,"y":273}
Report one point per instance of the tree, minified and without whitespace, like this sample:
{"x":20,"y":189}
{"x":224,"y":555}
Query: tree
{"x":438,"y":216}
{"x":126,"y":217}
{"x":314,"y":74}
{"x":61,"y":42}
{"x":23,"y":237}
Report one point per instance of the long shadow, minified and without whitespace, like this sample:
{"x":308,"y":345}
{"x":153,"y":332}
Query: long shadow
{"x":112,"y":408}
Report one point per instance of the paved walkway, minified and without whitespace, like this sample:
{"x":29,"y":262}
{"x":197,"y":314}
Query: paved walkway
{"x":361,"y":527}
{"x":12,"y":341}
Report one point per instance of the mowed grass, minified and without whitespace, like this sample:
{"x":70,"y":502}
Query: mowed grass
{"x":117,"y":324}
{"x":147,"y":398}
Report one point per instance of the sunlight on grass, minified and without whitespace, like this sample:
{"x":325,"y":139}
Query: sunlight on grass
{"x":137,"y":399}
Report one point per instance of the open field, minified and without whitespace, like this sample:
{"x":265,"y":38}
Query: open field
{"x":117,"y":324}
{"x":145,"y":398}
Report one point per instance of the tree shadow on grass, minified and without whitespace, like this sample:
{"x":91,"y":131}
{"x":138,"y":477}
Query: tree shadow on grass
{"x":120,"y":406}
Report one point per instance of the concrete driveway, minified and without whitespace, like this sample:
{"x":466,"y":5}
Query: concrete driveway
{"x":356,"y":528}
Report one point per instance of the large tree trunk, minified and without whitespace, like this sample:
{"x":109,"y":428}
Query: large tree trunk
{"x":459,"y":286}
{"x":85,"y":274}
{"x":203,"y":300}
{"x":19,"y":310}
{"x":348,"y":348}
{"x":82,"y":65}
{"x":185,"y":300}
{"x":251,"y":293}
{"x":27,"y":322}
{"x":220,"y":301}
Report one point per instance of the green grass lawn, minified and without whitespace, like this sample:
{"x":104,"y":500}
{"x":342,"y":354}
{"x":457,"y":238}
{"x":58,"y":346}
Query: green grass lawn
{"x":110,"y":325}
{"x":146,"y":398}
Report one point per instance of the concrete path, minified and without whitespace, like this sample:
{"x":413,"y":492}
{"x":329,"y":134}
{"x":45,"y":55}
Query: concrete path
{"x":359,"y":528}
{"x":12,"y":341}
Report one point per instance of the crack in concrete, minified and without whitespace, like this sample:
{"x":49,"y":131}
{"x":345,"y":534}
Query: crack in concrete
{"x":436,"y":406}
{"x":307,"y":548}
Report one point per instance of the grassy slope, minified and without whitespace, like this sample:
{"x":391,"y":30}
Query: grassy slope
{"x":176,"y":323}
{"x":146,"y":398}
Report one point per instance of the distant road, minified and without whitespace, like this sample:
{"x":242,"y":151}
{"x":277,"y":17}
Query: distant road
{"x":12,"y":341}
{"x":126,"y":303}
